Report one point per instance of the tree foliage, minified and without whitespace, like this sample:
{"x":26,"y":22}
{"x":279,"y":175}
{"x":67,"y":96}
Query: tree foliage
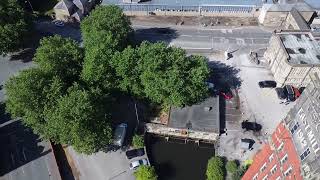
{"x":61,"y":57}
{"x":146,"y":173}
{"x":104,"y":32}
{"x":215,"y":169}
{"x":138,"y":141}
{"x":50,"y":100}
{"x":13,"y":26}
{"x":237,"y":175}
{"x":232,"y":166}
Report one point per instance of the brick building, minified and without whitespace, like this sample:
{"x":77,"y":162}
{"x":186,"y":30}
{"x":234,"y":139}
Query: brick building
{"x":277,"y":160}
{"x":303,"y":121}
{"x":292,"y":56}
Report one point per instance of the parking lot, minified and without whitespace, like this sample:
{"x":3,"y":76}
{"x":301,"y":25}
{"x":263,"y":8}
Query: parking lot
{"x":255,"y":105}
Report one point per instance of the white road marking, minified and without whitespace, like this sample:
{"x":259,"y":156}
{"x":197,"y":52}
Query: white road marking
{"x":12,"y":159}
{"x":24,"y":155}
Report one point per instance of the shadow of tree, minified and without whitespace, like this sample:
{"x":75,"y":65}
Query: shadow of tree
{"x":155,"y":35}
{"x":25,"y":55}
{"x":224,"y":76}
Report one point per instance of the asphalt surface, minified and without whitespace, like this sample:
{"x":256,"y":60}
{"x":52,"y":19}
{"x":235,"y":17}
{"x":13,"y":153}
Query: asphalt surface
{"x":23,"y":155}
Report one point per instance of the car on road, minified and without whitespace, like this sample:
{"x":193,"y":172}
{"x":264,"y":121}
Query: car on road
{"x":253,"y":126}
{"x":281,"y":93}
{"x":120,"y":134}
{"x":290,"y":93}
{"x":135,"y":164}
{"x":135,"y":153}
{"x":267,"y":84}
{"x":59,"y":23}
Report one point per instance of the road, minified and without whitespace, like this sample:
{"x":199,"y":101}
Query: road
{"x":22,"y":154}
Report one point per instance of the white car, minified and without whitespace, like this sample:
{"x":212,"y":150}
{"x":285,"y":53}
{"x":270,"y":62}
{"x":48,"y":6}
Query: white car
{"x":135,"y":164}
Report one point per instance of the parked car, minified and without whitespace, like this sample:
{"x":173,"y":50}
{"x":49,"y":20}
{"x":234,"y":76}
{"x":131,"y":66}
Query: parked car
{"x":290,"y":93}
{"x":251,"y":126}
{"x":135,"y":164}
{"x":135,"y":153}
{"x":281,"y":93}
{"x":59,"y":23}
{"x":226,"y":95}
{"x":120,"y":134}
{"x":267,"y":84}
{"x":297,"y":93}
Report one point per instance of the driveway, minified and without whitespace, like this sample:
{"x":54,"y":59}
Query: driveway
{"x":101,"y":166}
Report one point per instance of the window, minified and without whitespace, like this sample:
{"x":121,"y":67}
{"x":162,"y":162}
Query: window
{"x":294,"y":128}
{"x":284,"y":159}
{"x":280,"y":146}
{"x":274,"y":169}
{"x":305,"y":154}
{"x":288,"y":171}
{"x":270,"y":157}
{"x":255,"y":177}
{"x":265,"y":178}
{"x":263,"y":167}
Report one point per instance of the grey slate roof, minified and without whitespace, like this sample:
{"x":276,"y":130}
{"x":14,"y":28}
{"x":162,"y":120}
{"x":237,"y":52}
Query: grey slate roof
{"x":196,"y":117}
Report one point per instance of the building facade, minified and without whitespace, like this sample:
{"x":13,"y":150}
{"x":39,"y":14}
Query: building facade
{"x":292,"y":56}
{"x":277,"y":160}
{"x":303,"y":121}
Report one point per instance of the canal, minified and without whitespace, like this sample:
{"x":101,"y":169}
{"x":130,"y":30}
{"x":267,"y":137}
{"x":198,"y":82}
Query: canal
{"x":177,"y":160}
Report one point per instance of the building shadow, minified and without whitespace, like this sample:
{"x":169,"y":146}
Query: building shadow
{"x":155,"y":35}
{"x":62,"y":161}
{"x":4,"y":117}
{"x":26,"y":55}
{"x":19,"y":146}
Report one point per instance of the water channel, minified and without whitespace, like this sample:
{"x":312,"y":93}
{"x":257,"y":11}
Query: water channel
{"x":177,"y":160}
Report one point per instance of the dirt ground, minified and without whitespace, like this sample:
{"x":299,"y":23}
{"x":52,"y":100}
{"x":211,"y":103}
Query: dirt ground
{"x":192,"y":21}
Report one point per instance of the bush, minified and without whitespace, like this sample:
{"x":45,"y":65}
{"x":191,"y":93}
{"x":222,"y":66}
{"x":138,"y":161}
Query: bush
{"x":239,"y":173}
{"x":215,"y":169}
{"x":232,"y":166}
{"x":138,"y":141}
{"x":146,"y":173}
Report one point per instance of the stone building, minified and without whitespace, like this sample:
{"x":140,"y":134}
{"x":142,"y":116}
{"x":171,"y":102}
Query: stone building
{"x":276,"y":15}
{"x":303,"y":121}
{"x":292,"y":56}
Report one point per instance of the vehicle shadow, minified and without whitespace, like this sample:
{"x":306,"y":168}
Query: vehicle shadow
{"x":155,"y":35}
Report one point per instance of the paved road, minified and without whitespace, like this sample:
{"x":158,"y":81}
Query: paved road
{"x":22,"y":154}
{"x":205,"y":38}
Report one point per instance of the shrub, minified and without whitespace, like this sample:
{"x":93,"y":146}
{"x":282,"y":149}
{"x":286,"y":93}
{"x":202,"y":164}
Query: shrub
{"x":138,"y":141}
{"x":215,"y":169}
{"x":232,"y":166}
{"x":146,"y":173}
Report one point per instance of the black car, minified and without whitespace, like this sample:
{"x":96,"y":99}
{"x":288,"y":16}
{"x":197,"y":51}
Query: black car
{"x":251,"y":126}
{"x":134,"y":153}
{"x":281,"y":93}
{"x":267,"y":84}
{"x":290,"y":93}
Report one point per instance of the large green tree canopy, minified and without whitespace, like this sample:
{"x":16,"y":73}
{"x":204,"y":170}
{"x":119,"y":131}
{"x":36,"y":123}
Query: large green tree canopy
{"x":55,"y":106}
{"x":13,"y":26}
{"x":104,"y":32}
{"x":162,"y":74}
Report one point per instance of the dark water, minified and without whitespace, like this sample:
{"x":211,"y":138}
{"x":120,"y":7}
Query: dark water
{"x":175,"y":160}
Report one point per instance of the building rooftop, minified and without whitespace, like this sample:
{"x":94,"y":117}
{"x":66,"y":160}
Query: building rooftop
{"x":192,"y":2}
{"x":301,"y":48}
{"x":200,"y":117}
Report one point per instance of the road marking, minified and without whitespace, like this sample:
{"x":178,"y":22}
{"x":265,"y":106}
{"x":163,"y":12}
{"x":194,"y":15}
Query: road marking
{"x":8,"y":122}
{"x":24,"y":155}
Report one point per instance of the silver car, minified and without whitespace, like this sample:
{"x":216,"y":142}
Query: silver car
{"x":135,"y":164}
{"x":120,"y":134}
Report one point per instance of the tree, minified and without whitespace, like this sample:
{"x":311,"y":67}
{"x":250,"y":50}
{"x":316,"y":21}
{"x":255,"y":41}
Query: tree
{"x":14,"y":26}
{"x":137,"y":141}
{"x":78,"y":121}
{"x":104,"y":32}
{"x":146,"y":173}
{"x":125,"y":64}
{"x":215,"y":169}
{"x":171,"y":77}
{"x":29,"y":93}
{"x":60,"y":57}
{"x":232,"y":166}
{"x":239,"y":173}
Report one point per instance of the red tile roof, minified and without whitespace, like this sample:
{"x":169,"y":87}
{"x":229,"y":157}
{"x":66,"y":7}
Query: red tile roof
{"x":280,"y":146}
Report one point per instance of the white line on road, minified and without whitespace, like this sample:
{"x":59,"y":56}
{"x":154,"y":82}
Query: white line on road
{"x":8,"y":122}
{"x":24,"y":155}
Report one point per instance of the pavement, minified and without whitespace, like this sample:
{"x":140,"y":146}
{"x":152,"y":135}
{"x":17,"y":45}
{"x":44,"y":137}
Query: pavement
{"x":23,"y":155}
